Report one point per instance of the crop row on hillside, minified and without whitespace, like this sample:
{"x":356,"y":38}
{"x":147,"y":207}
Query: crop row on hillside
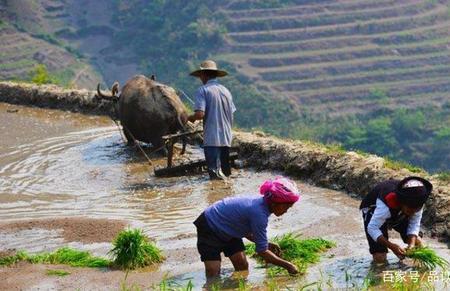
{"x":365,"y":106}
{"x":260,"y":4}
{"x":88,"y":31}
{"x":429,"y":33}
{"x":346,"y":55}
{"x":299,"y":10}
{"x":343,"y":68}
{"x":258,"y":24}
{"x":390,"y":89}
{"x":363,"y":28}
{"x":386,"y":76}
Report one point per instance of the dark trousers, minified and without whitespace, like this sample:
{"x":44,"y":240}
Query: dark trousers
{"x":210,"y":245}
{"x":400,"y":226}
{"x":217,"y":161}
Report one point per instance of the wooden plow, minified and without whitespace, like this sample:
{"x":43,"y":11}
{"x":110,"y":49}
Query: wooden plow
{"x":192,"y":166}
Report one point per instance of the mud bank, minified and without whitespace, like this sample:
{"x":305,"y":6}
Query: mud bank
{"x":78,"y":229}
{"x":51,"y":96}
{"x":348,"y":171}
{"x":351,"y":172}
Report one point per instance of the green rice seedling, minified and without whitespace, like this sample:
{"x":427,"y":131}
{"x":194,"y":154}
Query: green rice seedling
{"x":132,"y":249}
{"x":11,"y":260}
{"x":60,"y":273}
{"x":166,"y":285}
{"x":243,"y":286}
{"x":214,"y":287}
{"x":125,"y":287}
{"x":71,"y":257}
{"x":65,"y":255}
{"x":307,"y":250}
{"x":371,"y":280}
{"x":300,"y":252}
{"x":427,"y":258}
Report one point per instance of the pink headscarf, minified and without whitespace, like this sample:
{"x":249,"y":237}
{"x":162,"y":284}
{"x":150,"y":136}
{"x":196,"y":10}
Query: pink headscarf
{"x":280,"y":190}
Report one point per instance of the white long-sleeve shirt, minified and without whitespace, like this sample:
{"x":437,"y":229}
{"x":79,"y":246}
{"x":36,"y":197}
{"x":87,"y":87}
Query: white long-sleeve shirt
{"x":382,"y":213}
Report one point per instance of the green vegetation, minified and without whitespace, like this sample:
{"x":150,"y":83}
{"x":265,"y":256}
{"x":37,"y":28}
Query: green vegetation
{"x":427,"y":258}
{"x":11,"y":260}
{"x":170,"y":38}
{"x":3,"y":24}
{"x":65,"y":255}
{"x":60,"y":273}
{"x":19,"y":64}
{"x":168,"y":285}
{"x":259,"y":4}
{"x":396,"y":165}
{"x":416,"y":137}
{"x":300,"y":252}
{"x":40,"y":75}
{"x":132,"y":249}
{"x":444,"y":176}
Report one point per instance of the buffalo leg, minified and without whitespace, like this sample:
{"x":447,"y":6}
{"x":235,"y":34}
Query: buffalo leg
{"x":130,"y":139}
{"x":184,"y":141}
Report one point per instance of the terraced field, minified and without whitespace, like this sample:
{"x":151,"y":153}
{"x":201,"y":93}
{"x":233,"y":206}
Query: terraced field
{"x":71,"y":37}
{"x":335,"y":57}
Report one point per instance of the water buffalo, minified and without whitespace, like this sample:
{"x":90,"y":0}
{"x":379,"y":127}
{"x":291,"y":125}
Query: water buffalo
{"x":147,"y":110}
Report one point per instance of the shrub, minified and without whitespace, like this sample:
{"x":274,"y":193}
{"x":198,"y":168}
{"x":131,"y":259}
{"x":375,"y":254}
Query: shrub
{"x":40,"y":75}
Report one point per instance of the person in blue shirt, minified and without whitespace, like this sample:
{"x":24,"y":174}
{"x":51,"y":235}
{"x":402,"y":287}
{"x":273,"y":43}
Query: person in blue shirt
{"x":214,"y":105}
{"x":221,"y":227}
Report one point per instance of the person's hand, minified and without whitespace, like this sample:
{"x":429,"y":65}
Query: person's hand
{"x":275,"y":248}
{"x":292,"y":269}
{"x":191,"y":118}
{"x":398,"y":251}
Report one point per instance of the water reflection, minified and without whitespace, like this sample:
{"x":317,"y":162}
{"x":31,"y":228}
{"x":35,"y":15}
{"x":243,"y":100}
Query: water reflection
{"x":93,"y":173}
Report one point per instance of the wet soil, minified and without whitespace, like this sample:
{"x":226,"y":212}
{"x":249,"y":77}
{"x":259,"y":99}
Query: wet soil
{"x":79,"y":229}
{"x":69,"y":179}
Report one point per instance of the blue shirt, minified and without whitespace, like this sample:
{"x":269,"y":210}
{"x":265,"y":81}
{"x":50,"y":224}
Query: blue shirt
{"x":217,"y":103}
{"x":239,"y":217}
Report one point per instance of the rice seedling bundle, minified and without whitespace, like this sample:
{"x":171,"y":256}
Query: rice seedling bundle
{"x":132,"y":249}
{"x":427,"y":258}
{"x":300,"y":252}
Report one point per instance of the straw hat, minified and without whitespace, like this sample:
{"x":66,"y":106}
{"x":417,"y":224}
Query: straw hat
{"x":209,"y":65}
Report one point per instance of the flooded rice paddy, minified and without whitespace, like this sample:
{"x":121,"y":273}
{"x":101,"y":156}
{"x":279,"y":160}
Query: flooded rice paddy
{"x":69,"y":179}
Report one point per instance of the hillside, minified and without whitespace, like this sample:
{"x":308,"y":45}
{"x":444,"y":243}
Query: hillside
{"x":369,"y":75}
{"x":26,"y":42}
{"x":72,"y":38}
{"x":330,"y":57}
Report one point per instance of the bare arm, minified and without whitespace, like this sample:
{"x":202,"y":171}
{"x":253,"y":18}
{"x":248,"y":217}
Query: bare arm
{"x":198,"y":115}
{"x":273,"y":247}
{"x":271,"y":258}
{"x":398,"y":251}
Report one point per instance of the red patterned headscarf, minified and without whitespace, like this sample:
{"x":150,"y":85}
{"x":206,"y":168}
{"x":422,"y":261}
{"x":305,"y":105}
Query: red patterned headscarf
{"x":280,"y":190}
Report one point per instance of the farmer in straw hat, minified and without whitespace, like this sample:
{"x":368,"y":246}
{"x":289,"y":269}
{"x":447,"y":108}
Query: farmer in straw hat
{"x":394,"y":204}
{"x":214,"y":105}
{"x":221,"y":227}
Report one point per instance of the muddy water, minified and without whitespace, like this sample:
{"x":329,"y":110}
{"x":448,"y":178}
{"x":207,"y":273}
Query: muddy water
{"x":55,"y":165}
